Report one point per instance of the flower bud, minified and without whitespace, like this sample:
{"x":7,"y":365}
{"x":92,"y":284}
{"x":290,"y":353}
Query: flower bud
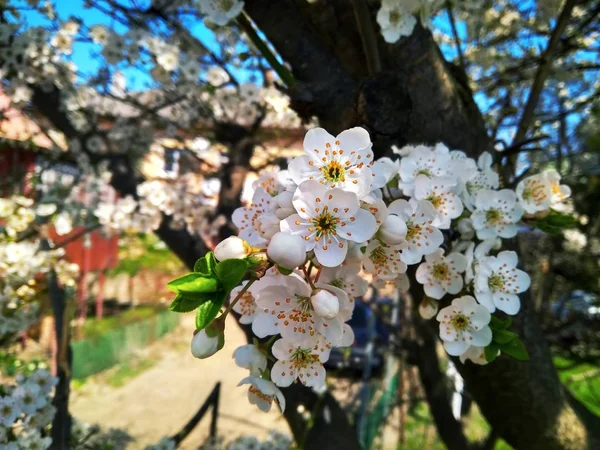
{"x":250,"y":357}
{"x":232,"y":248}
{"x":287,"y":250}
{"x":207,"y":342}
{"x":393,"y":230}
{"x":325,"y":304}
{"x":284,"y":208}
{"x":428,"y":308}
{"x":267,"y":225}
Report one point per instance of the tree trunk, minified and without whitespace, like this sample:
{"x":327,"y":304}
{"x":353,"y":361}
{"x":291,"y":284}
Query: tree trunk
{"x":419,"y":98}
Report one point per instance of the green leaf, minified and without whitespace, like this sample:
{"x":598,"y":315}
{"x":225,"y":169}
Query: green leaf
{"x":206,"y":265}
{"x":504,"y":337}
{"x":516,"y":349}
{"x":230,"y":272}
{"x":193,"y":283}
{"x":559,"y":219}
{"x":208,"y":311}
{"x":491,"y":352}
{"x":499,"y":324}
{"x":184,"y":304}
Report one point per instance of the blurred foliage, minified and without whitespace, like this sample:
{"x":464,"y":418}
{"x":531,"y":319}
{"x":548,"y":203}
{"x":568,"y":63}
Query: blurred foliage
{"x":145,"y":252}
{"x":421,"y":434}
{"x":11,"y":365}
{"x":583,"y":380}
{"x":94,"y":327}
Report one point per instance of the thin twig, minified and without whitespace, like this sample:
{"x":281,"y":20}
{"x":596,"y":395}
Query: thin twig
{"x":284,"y":74}
{"x":543,"y":71}
{"x":461,"y":57}
{"x":307,"y":276}
{"x":237,"y":297}
{"x":367,"y":35}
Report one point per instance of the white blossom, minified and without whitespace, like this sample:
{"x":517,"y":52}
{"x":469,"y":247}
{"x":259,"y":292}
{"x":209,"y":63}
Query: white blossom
{"x":498,"y":281}
{"x":464,"y":323}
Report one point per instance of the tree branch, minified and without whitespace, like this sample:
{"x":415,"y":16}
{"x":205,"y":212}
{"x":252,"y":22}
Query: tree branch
{"x":461,"y":57}
{"x":543,"y":71}
{"x":367,"y":35}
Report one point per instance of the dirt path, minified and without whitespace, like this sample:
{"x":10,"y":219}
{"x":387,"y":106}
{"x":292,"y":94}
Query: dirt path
{"x":161,"y":400}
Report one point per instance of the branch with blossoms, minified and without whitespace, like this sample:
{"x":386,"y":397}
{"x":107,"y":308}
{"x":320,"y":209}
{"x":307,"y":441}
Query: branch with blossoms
{"x":316,"y":232}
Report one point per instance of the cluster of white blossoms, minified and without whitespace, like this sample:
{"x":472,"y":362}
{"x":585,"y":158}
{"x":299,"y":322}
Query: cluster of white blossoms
{"x":338,"y":216}
{"x":397,"y":17}
{"x":26,"y":410}
{"x":20,"y":263}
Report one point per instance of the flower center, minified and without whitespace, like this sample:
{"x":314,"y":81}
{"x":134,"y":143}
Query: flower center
{"x":493,"y":216}
{"x":302,"y":357}
{"x":267,"y":398}
{"x":460,"y":322}
{"x":378,"y":256}
{"x":325,"y":223}
{"x":496,"y":282}
{"x":304,"y":303}
{"x":247,"y":305}
{"x":394,"y":17}
{"x":334,"y":172}
{"x":226,"y":5}
{"x":338,"y":283}
{"x":436,"y":200}
{"x":440,"y":271}
{"x":425,"y":172}
{"x":412,"y":230}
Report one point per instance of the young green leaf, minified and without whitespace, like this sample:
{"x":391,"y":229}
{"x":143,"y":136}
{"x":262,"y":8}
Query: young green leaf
{"x":491,"y":352}
{"x":208,"y":311}
{"x":194,"y":283}
{"x":184,"y":304}
{"x":516,"y":349}
{"x":206,"y":265}
{"x":230,"y":272}
{"x":504,"y":337}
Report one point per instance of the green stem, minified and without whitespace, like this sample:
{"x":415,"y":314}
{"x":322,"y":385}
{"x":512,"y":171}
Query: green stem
{"x":237,"y":297}
{"x":284,"y":74}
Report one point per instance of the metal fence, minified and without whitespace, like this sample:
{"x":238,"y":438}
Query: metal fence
{"x":92,"y":355}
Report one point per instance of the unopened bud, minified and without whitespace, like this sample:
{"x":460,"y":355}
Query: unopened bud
{"x":393,"y":230}
{"x":207,"y":342}
{"x":428,"y":308}
{"x":232,"y":248}
{"x":325,"y":304}
{"x":287,"y":250}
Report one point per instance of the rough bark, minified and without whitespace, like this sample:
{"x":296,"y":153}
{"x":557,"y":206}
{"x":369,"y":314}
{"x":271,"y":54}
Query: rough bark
{"x":61,"y":425}
{"x":418,"y":97}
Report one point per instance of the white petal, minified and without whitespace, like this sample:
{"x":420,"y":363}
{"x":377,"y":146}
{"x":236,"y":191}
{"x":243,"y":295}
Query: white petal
{"x":341,"y":204}
{"x":281,"y":374}
{"x":481,"y":338}
{"x":456,"y":348}
{"x":331,"y":329}
{"x":315,"y":142}
{"x":486,"y":298}
{"x":509,"y":303}
{"x":361,"y":229}
{"x":301,"y":170}
{"x":356,"y":138}
{"x":265,"y":325}
{"x":331,"y":255}
{"x":282,"y":349}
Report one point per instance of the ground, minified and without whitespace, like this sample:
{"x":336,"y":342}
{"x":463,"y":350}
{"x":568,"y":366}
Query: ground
{"x":161,"y":399}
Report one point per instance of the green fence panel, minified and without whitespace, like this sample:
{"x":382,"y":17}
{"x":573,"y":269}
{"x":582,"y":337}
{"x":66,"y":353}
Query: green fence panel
{"x":96,"y":354}
{"x":378,"y":413}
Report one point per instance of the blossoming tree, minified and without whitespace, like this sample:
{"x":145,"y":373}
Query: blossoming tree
{"x":409,"y":180}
